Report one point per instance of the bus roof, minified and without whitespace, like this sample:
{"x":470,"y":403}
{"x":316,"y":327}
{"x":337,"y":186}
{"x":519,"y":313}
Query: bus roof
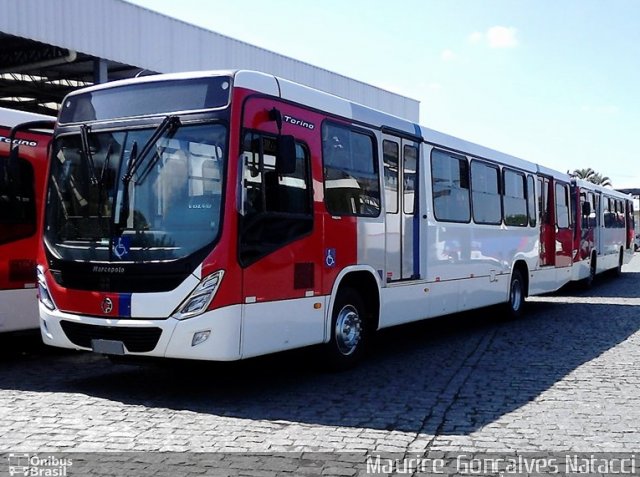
{"x":12,"y":117}
{"x":335,"y":105}
{"x":584,"y":184}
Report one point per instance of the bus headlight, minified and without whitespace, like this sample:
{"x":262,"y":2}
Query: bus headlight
{"x":200,"y":298}
{"x":43,"y":290}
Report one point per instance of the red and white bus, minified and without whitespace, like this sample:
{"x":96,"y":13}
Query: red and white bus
{"x":22,"y":183}
{"x":604,"y":230}
{"x":225,"y":215}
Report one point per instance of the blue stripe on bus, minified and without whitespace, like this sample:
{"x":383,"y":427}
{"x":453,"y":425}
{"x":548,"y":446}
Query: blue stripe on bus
{"x":124,"y":304}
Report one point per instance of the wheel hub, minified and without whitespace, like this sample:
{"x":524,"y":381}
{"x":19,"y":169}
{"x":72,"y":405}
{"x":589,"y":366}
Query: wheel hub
{"x":348,"y":330}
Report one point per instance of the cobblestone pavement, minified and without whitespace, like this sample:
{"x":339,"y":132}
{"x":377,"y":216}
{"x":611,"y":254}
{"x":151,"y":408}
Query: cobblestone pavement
{"x":565,"y":377}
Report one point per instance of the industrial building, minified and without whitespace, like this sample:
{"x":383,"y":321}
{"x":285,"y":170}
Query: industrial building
{"x":51,"y":47}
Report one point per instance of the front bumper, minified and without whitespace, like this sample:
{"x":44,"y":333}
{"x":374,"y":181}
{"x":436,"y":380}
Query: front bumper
{"x":174,"y":340}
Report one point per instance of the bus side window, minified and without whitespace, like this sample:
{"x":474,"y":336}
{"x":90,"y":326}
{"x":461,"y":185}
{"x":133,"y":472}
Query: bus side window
{"x":531,"y":200}
{"x":606,"y":212}
{"x":584,"y":218}
{"x":562,"y":207}
{"x":390,"y":159}
{"x":485,"y":192}
{"x":450,"y":183}
{"x":352,"y":180}
{"x":514,"y":202}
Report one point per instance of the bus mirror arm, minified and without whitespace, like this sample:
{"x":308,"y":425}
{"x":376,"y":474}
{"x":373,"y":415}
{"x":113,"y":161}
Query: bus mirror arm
{"x":14,"y":147}
{"x":286,"y":147}
{"x":286,"y":155}
{"x":276,"y":115}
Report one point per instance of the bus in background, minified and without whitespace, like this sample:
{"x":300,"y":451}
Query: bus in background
{"x":225,"y":215}
{"x":22,"y":184}
{"x":604,"y":230}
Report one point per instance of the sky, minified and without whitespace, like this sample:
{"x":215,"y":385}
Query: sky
{"x":555,"y":82}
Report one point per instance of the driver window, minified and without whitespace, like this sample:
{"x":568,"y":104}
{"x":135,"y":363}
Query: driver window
{"x":275,"y":208}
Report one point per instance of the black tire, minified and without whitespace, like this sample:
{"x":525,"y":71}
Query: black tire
{"x":617,"y":272}
{"x":587,"y":283}
{"x":516,"y":300}
{"x":349,"y":331}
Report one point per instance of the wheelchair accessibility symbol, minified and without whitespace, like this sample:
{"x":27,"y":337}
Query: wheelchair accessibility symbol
{"x":330,"y":257}
{"x":121,"y":247}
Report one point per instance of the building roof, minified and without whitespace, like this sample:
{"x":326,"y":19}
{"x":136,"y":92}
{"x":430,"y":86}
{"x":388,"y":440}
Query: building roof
{"x":66,"y":38}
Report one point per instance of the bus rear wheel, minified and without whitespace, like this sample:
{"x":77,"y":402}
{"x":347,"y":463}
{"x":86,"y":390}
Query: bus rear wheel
{"x":349,"y":330}
{"x":618,"y":270}
{"x":588,"y":282}
{"x":516,"y":300}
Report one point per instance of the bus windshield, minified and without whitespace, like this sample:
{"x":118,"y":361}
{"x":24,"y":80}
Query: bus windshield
{"x":169,"y":208}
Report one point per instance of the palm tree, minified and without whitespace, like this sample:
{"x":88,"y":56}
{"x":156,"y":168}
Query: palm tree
{"x":599,"y":179}
{"x":592,"y":176}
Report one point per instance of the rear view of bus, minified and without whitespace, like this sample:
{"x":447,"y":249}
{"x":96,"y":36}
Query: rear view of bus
{"x":22,"y":179}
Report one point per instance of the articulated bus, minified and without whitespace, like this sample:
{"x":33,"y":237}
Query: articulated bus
{"x":226,"y":215}
{"x":22,"y":184}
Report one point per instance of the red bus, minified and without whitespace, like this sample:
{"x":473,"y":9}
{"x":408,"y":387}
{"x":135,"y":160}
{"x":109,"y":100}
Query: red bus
{"x":225,"y":215}
{"x":22,"y":181}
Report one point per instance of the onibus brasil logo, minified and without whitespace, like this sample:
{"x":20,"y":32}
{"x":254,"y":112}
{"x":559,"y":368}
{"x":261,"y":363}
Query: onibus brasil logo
{"x":33,"y":465}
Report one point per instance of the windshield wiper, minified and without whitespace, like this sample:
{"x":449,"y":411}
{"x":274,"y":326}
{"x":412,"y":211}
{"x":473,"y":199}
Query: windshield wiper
{"x":123,"y":213}
{"x":105,"y":166}
{"x":169,"y":124}
{"x":170,"y":129}
{"x":86,"y":151}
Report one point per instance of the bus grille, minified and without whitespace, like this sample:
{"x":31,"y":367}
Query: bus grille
{"x":136,"y":340}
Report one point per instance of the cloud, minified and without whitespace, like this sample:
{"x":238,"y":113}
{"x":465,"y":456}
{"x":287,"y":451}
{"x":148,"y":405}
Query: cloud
{"x":448,"y":55}
{"x":496,"y":37}
{"x":476,"y":37}
{"x":502,"y":37}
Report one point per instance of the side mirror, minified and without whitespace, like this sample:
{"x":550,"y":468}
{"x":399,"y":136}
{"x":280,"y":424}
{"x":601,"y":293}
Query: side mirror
{"x":286,"y":155}
{"x":586,"y":209}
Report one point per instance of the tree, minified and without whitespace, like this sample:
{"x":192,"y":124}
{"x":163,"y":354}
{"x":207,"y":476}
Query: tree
{"x":592,"y":176}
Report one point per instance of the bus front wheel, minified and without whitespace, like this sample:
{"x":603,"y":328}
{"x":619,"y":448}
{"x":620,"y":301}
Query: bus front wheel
{"x":349,"y":330}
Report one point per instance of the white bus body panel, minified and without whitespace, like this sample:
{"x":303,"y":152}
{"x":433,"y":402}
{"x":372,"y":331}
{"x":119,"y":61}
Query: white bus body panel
{"x":548,"y":279}
{"x":371,"y":243}
{"x":274,"y":326}
{"x":581,"y":269}
{"x":162,"y":304}
{"x":18,"y":310}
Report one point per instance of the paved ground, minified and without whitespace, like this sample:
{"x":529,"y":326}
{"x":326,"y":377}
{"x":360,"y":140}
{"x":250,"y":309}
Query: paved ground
{"x":563,"y":378}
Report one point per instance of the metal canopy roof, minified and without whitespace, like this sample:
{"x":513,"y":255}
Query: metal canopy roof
{"x":35,"y":76}
{"x":49,"y":47}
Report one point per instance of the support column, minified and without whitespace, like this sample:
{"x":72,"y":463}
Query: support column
{"x":100,"y":71}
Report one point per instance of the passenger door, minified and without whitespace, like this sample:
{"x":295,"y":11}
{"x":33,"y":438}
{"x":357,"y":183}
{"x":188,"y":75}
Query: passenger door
{"x":400,"y":160}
